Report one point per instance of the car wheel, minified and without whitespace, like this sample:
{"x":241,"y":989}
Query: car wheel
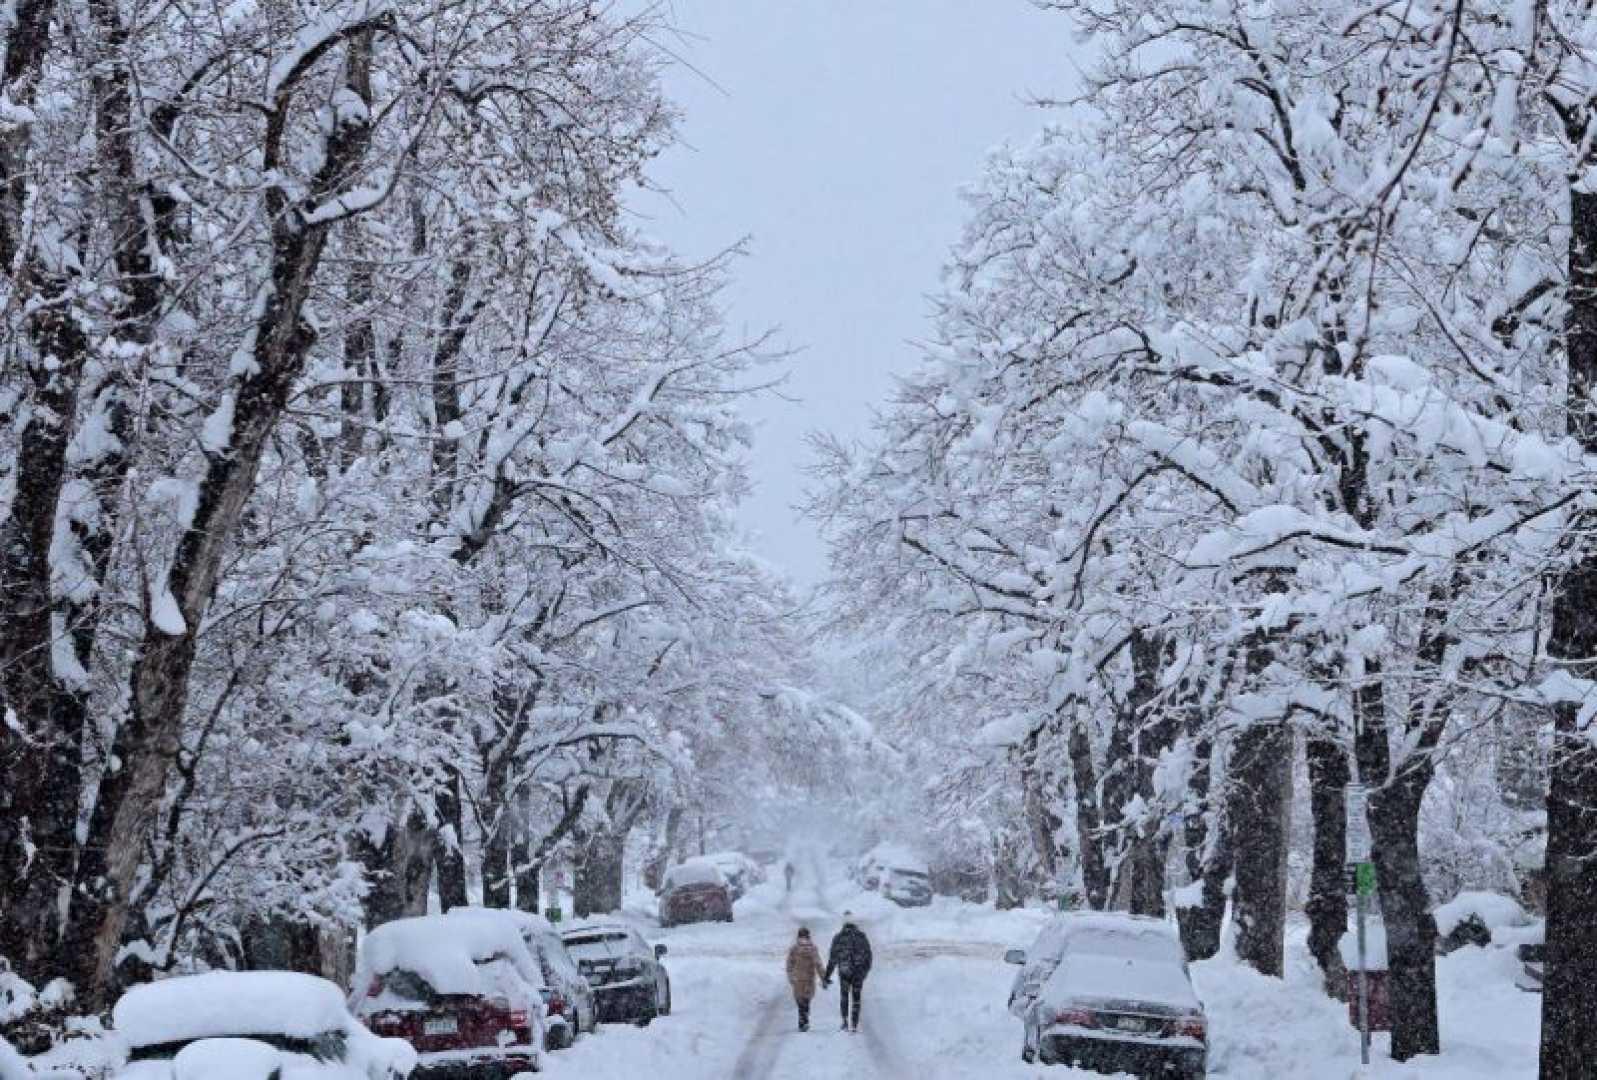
{"x":667,"y":1010}
{"x":648,"y":1013}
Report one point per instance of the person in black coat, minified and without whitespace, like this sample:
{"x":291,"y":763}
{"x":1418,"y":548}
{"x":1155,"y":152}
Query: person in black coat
{"x":850,"y":957}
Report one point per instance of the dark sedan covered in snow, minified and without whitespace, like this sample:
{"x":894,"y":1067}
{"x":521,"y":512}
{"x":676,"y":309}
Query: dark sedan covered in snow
{"x":1110,"y":993}
{"x":628,"y":980}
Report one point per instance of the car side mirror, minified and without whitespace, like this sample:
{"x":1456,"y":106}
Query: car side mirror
{"x":1015,"y":956}
{"x":659,"y":951}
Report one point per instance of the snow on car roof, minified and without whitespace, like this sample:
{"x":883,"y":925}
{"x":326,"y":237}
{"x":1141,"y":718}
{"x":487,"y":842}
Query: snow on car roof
{"x":730,"y":858}
{"x":898,"y":857}
{"x":698,"y":871}
{"x":1061,"y":929}
{"x":445,"y":951}
{"x":525,"y":921}
{"x":223,"y":1003}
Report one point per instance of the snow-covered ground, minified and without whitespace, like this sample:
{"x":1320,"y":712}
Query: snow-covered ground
{"x":934,"y":1005}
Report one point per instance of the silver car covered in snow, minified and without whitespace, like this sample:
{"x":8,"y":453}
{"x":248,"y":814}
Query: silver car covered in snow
{"x":1111,"y":993}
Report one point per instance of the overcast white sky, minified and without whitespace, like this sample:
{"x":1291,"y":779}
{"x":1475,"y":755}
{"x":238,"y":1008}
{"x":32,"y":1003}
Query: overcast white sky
{"x":835,"y":135}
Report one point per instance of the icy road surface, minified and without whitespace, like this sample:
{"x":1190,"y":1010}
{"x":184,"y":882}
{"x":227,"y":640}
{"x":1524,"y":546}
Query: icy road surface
{"x":934,"y":1006}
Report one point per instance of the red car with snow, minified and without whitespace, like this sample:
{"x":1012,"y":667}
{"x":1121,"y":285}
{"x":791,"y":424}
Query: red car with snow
{"x":466,"y":993}
{"x":694,"y":891}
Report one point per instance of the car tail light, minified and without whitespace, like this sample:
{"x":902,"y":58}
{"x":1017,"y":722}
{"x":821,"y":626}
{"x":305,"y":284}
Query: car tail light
{"x":387,"y":1024}
{"x":507,"y":1013}
{"x":557,"y":1005}
{"x":1075,"y":1017}
{"x":1193,"y":1027}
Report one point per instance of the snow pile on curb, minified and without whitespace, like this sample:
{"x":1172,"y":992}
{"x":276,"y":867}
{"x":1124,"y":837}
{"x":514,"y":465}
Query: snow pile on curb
{"x":1497,"y":911}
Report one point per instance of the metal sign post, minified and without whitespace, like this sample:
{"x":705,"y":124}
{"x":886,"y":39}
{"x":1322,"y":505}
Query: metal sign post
{"x":1366,"y":886}
{"x":1358,"y":857}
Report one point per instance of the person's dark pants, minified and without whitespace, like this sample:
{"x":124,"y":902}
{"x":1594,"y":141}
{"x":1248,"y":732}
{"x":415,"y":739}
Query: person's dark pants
{"x":848,"y":998}
{"x":804,"y":1013}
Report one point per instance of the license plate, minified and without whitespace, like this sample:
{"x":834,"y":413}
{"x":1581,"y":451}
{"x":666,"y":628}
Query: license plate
{"x":1132,"y":1023}
{"x":446,"y":1026}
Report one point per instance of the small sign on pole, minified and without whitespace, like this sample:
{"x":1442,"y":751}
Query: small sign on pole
{"x":553,"y":913}
{"x":1358,"y":825}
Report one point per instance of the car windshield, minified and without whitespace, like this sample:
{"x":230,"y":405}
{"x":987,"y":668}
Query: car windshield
{"x":598,"y":946}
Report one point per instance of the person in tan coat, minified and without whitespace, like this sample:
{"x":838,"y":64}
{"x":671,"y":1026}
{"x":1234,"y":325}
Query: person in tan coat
{"x":803,"y":971}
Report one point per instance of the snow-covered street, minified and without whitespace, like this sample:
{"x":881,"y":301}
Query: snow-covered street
{"x":935,"y":1005}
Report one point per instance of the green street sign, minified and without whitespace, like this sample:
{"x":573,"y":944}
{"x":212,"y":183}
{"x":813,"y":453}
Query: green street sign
{"x":1366,"y":879}
{"x":552,"y":914}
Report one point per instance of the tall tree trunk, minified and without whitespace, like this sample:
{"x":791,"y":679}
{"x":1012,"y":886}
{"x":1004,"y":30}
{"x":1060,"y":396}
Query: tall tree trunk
{"x":523,"y":869}
{"x":1329,"y":774}
{"x":1200,"y":909}
{"x":1258,"y":807}
{"x":151,"y":738}
{"x":1084,"y":778}
{"x":42,"y":733}
{"x":1569,"y":1007}
{"x":1394,"y":813}
{"x":449,"y":854}
{"x":1394,"y":809}
{"x":496,"y":873}
{"x":600,"y":873}
{"x":399,"y":870}
{"x":660,"y":859}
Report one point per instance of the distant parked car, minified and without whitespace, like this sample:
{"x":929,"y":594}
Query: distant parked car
{"x":250,"y":1025}
{"x":1110,"y":993}
{"x":898,"y":872}
{"x":570,"y":1008}
{"x":694,"y":891}
{"x":467,"y":993}
{"x":908,"y":886}
{"x":741,"y":872}
{"x":628,"y":980}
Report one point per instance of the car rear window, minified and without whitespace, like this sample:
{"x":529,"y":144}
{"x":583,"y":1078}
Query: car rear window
{"x":598,"y":946}
{"x":1132,"y":946}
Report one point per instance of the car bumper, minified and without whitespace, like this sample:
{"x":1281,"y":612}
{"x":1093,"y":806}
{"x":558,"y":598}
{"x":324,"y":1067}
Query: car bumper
{"x":626,"y":1001}
{"x":476,"y":1064}
{"x":1112,"y":1053}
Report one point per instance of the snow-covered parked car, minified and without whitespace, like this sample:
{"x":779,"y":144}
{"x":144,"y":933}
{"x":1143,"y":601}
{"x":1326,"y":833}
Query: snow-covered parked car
{"x":1110,"y":993}
{"x":692,"y":891}
{"x":907,"y":883}
{"x":898,"y":872}
{"x":570,"y":1009}
{"x":467,"y":993}
{"x":741,"y":872}
{"x":250,"y":1025}
{"x":627,"y":977}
